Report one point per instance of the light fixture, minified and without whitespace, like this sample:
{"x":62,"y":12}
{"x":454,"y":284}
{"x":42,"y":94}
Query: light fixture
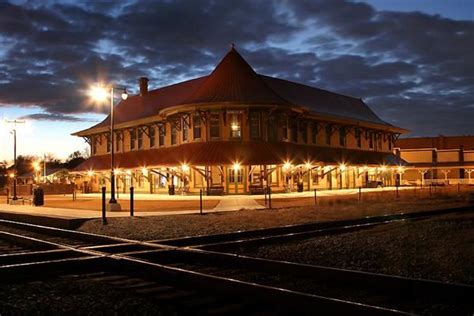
{"x":236,"y":166}
{"x":308,"y":165}
{"x":98,"y":93}
{"x":234,"y":126}
{"x":287,"y":165}
{"x":36,"y":165}
{"x":12,"y":175}
{"x":124,"y":94}
{"x":342,"y":167}
{"x":144,"y":171}
{"x":129,"y":172}
{"x":90,"y":173}
{"x":383,"y":168}
{"x":185,"y":167}
{"x":117,"y":171}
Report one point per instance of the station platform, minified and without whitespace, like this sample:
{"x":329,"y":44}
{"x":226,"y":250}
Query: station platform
{"x":72,"y":217}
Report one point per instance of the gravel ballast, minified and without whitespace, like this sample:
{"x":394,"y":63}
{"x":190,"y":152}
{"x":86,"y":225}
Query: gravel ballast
{"x":174,"y":226}
{"x":438,"y":249}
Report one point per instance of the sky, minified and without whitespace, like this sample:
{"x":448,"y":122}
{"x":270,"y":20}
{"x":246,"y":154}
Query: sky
{"x":409,"y":60}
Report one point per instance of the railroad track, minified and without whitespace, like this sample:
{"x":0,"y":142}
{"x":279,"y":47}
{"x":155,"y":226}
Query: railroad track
{"x":180,"y":276}
{"x":228,"y":241}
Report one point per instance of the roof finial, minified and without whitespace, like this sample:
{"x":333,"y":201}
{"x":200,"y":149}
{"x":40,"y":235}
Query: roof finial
{"x":232,"y":46}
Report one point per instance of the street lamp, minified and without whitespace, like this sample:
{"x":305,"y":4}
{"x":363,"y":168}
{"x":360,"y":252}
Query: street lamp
{"x":100,"y":94}
{"x":14,"y":122}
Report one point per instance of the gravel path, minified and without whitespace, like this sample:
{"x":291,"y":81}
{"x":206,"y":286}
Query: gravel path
{"x":439,"y":249}
{"x":160,"y":227}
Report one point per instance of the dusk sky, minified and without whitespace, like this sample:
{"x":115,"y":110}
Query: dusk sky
{"x":410,"y":61}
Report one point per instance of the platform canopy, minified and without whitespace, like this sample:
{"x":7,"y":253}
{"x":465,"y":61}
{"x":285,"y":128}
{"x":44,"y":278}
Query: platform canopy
{"x":244,"y":153}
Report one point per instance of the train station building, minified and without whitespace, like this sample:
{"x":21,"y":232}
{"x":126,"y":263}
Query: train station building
{"x":235,"y":131}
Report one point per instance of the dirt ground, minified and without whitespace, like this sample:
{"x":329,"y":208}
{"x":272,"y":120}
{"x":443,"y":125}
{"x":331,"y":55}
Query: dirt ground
{"x":139,"y":205}
{"x":160,"y":227}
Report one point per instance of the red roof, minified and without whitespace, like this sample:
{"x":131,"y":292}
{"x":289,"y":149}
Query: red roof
{"x":439,"y":142}
{"x":229,"y":152}
{"x":234,"y":80}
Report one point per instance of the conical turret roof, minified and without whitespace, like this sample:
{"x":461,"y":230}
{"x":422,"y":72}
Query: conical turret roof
{"x":234,"y":80}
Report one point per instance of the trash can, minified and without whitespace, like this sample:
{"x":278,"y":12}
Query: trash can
{"x":38,"y":197}
{"x":171,"y":189}
{"x":300,"y":187}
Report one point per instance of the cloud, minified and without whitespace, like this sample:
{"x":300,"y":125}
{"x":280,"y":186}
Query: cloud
{"x":55,"y":117}
{"x":404,"y":64}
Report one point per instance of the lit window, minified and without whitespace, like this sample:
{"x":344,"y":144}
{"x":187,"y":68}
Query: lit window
{"x":235,"y":125}
{"x":236,"y":175}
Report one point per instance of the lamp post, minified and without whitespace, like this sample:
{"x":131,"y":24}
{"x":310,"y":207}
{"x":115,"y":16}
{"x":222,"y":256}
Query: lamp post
{"x":14,"y":122}
{"x":100,"y":94}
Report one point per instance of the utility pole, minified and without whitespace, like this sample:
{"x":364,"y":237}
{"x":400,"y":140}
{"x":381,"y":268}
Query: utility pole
{"x":14,"y":122}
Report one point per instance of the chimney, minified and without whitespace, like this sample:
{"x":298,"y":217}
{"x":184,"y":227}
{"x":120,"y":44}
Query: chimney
{"x":143,"y":82}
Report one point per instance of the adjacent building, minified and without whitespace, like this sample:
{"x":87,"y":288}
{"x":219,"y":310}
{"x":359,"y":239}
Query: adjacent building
{"x":235,"y":131}
{"x":437,"y":160}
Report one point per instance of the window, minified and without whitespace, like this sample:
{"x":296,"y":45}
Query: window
{"x":161,"y":136}
{"x":236,"y":176}
{"x":185,"y":132}
{"x":328,"y":134}
{"x":151,"y":133}
{"x":304,"y":133}
{"x":371,"y":140}
{"x":133,"y":137}
{"x":235,"y":120}
{"x":118,"y":142}
{"x":358,"y":138}
{"x":255,"y":125}
{"x":174,"y":134}
{"x":294,"y":131}
{"x":94,"y":146}
{"x":389,"y":142}
{"x":108,"y":143}
{"x":314,"y":132}
{"x":284,"y":128}
{"x":272,"y":129}
{"x":196,"y":127}
{"x":140,"y":139}
{"x":342,"y":136}
{"x":215,"y":129}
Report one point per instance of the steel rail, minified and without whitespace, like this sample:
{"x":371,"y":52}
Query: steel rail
{"x":275,"y":295}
